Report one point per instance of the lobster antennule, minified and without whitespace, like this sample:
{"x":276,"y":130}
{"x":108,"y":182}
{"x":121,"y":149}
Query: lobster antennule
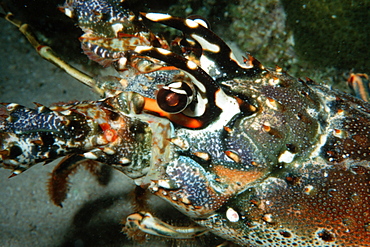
{"x":29,"y":136}
{"x":89,"y":130}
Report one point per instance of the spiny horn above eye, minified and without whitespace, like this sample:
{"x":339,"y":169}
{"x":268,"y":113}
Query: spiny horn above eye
{"x":217,"y":50}
{"x":175,"y":97}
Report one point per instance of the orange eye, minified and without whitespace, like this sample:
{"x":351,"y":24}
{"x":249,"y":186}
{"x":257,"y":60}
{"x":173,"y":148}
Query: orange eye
{"x":175,"y":97}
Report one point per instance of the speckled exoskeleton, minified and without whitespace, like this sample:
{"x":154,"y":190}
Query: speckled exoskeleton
{"x":249,"y":153}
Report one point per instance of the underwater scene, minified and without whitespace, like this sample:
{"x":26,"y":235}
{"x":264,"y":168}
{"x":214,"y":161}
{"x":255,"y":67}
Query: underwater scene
{"x":184,"y":123}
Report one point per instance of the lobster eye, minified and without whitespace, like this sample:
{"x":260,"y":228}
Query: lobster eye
{"x":175,"y":97}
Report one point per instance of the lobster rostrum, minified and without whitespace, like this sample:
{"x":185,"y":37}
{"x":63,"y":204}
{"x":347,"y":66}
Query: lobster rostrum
{"x":249,"y":153}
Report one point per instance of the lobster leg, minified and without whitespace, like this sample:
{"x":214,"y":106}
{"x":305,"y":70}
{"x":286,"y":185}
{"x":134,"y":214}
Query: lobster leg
{"x":147,"y":223}
{"x":360,"y":85}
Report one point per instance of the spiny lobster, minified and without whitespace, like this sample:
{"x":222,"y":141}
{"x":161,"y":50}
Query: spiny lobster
{"x":249,"y":153}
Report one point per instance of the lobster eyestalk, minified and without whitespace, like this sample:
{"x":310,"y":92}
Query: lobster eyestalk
{"x":109,"y":131}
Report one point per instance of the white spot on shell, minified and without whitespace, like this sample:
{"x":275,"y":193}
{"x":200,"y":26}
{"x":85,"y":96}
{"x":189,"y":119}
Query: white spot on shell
{"x":232,"y":57}
{"x":181,"y":143}
{"x":124,"y":161}
{"x":208,"y":65}
{"x":191,"y":23}
{"x":164,"y":184}
{"x":66,"y":112}
{"x":157,"y":16}
{"x":272,"y":104}
{"x":11,"y":106}
{"x":122,"y":62}
{"x":185,"y":200}
{"x":163,"y":51}
{"x":17,"y":172}
{"x":232,"y":215}
{"x":68,"y":12}
{"x":201,"y":22}
{"x":267,"y":218}
{"x":90,"y":155}
{"x":274,"y":81}
{"x":308,"y":189}
{"x":339,"y":133}
{"x":109,"y":151}
{"x":286,"y":157}
{"x":192,"y":65}
{"x":258,"y":81}
{"x":117,"y":27}
{"x":206,"y":45}
{"x":155,"y":188}
{"x":203,"y":155}
{"x":142,"y":48}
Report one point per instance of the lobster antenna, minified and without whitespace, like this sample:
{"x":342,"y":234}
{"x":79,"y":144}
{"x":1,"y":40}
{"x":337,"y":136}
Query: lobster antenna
{"x":48,"y":54}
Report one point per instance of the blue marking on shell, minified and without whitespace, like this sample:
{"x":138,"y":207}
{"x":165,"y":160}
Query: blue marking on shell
{"x":25,"y":120}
